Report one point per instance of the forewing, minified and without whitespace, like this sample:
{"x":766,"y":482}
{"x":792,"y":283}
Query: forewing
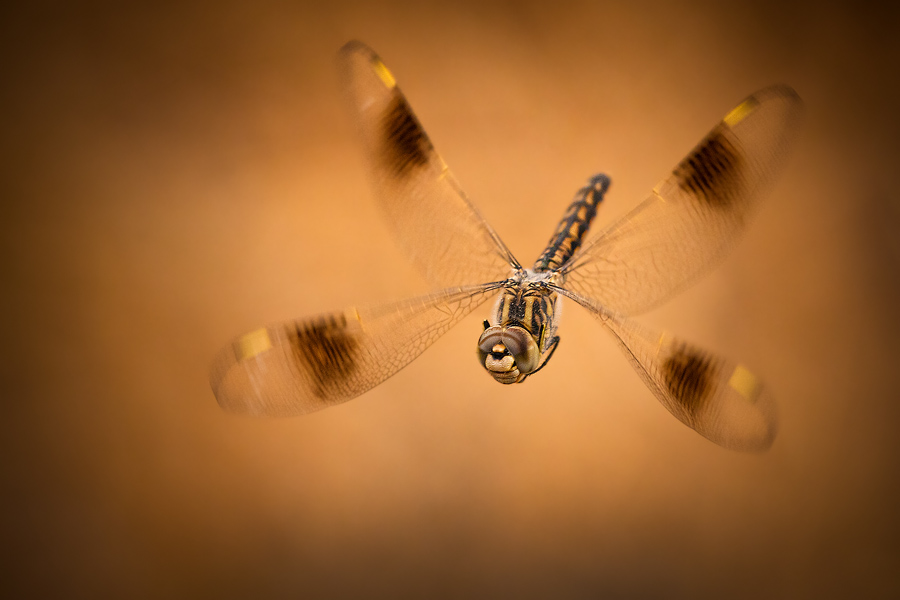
{"x":302,"y":366}
{"x":434,"y":222}
{"x":692,"y":218}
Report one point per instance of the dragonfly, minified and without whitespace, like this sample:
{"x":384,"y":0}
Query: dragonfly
{"x":689,"y":221}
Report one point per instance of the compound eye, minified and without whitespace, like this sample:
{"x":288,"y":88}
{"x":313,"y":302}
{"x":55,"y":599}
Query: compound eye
{"x":490,"y":338}
{"x":521,"y":345}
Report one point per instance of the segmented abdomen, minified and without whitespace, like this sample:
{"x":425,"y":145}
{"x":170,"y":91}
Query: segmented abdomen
{"x":574,"y":225}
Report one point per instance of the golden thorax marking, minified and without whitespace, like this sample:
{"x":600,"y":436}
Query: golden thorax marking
{"x":529,"y":312}
{"x":506,"y":302}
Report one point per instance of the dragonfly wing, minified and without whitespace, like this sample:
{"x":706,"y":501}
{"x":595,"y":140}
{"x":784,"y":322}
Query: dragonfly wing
{"x":302,"y":366}
{"x":693,"y":217}
{"x":721,"y":400}
{"x":434,"y":222}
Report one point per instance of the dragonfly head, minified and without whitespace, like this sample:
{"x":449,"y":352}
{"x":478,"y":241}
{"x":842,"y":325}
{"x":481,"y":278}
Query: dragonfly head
{"x":508,"y":353}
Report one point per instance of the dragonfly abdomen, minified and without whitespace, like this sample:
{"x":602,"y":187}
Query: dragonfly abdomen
{"x":574,"y":225}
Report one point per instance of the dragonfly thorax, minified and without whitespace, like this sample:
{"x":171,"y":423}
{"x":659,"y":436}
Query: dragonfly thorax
{"x":536,"y":280}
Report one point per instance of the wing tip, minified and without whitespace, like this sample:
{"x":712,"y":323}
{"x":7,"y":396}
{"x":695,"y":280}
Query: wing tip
{"x":752,"y":411}
{"x":356,"y":47}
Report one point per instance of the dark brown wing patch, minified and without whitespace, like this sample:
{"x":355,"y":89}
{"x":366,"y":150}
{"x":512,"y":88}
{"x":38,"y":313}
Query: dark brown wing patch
{"x":688,"y":375}
{"x":712,"y":172}
{"x":326,"y":350}
{"x":406,"y":147}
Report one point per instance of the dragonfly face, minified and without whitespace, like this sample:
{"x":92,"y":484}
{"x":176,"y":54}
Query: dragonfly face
{"x":509,"y":353}
{"x":686,"y":224}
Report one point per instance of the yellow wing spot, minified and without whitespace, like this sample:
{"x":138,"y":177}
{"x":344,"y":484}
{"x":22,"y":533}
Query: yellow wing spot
{"x":745,"y":383}
{"x":384,"y":74}
{"x":740,"y":112}
{"x":659,"y":344}
{"x":354,"y":321}
{"x":253,"y":343}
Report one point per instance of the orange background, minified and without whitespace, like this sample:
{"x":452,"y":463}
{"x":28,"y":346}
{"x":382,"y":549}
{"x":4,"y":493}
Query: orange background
{"x":174,"y":176}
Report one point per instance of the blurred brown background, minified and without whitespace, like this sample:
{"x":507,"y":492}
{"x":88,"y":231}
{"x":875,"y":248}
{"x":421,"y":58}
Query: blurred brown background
{"x":176,"y":175}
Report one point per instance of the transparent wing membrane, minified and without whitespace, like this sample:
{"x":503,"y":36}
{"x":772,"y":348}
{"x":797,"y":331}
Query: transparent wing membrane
{"x":306,"y":365}
{"x":693,"y":217}
{"x":689,"y":221}
{"x":434,"y":222}
{"x":723,"y":401}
